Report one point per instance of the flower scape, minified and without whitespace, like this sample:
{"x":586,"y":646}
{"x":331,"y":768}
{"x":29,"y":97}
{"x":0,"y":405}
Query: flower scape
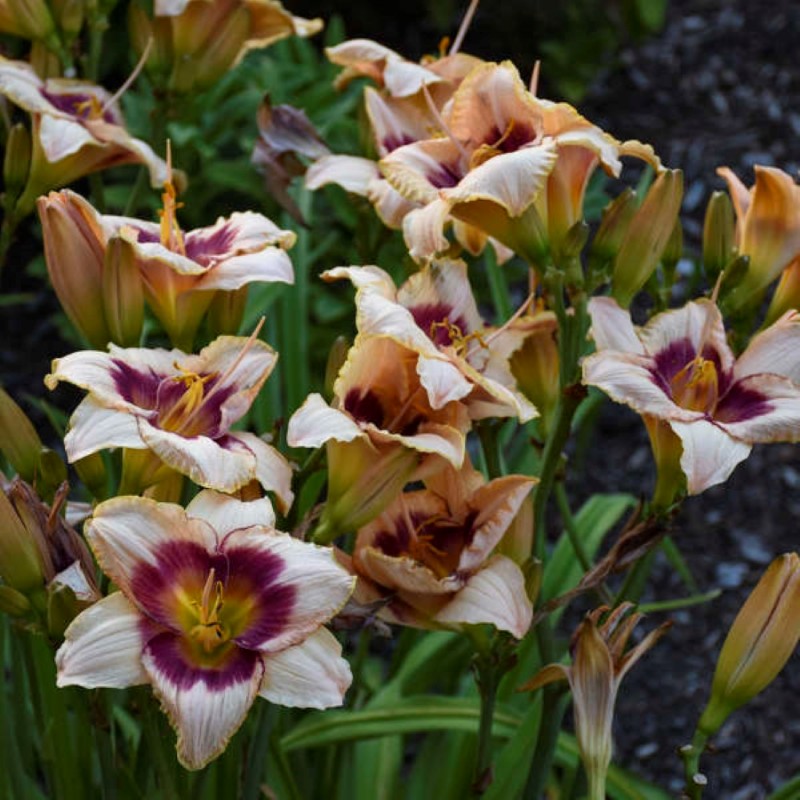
{"x":321,"y":402}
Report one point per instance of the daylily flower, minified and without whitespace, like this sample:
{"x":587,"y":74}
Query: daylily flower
{"x":77,"y":129}
{"x":178,"y":406}
{"x":599,"y":663}
{"x":198,"y":41}
{"x":429,"y":554}
{"x":214,"y":609}
{"x":678,"y":369}
{"x":767,"y":230}
{"x":434,"y":313}
{"x":180,"y":271}
{"x":496,"y":149}
{"x":382,"y":431}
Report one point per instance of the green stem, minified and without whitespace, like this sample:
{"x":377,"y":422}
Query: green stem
{"x":690,"y":753}
{"x":488,"y":678}
{"x":597,"y":785}
{"x":554,"y":704}
{"x":498,"y":288}
{"x":487,"y":433}
{"x":679,"y":602}
{"x":257,"y":754}
{"x":7,"y":230}
{"x":142,"y":180}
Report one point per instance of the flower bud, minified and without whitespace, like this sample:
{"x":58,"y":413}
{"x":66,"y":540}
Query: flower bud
{"x":17,"y":161}
{"x":21,"y":565}
{"x":647,"y":236}
{"x":30,"y":19}
{"x":13,"y":603}
{"x":617,"y":217}
{"x":74,"y":252}
{"x":92,"y":472}
{"x":19,"y":442}
{"x":123,"y":293}
{"x":226,"y":312}
{"x":718,"y":234}
{"x":759,"y":643}
{"x":787,"y":293}
{"x":337,"y":356}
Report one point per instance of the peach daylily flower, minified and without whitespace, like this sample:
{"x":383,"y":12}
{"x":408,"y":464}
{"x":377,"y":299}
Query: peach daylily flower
{"x":429,"y":555}
{"x":180,"y":407}
{"x":434,"y":313}
{"x":680,"y":370}
{"x":77,"y":129}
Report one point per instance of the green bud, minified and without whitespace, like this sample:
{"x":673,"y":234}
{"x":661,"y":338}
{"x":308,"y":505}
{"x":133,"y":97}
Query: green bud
{"x":617,"y":216}
{"x":123,"y":292}
{"x":13,"y":602}
{"x":17,"y":161}
{"x":718,"y":234}
{"x":19,"y":442}
{"x":336,"y":358}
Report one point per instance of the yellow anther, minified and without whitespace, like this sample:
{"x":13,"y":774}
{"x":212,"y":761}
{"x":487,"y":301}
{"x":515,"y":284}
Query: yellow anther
{"x":171,"y":235}
{"x":209,"y":631}
{"x":90,"y":107}
{"x":179,"y":414}
{"x":488,"y":151}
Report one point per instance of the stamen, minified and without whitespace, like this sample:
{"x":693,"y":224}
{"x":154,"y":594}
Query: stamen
{"x":534,"y":84}
{"x":485,"y":342}
{"x":131,"y":78}
{"x":464,"y":27}
{"x":171,"y":235}
{"x":443,"y":125}
{"x":209,"y":631}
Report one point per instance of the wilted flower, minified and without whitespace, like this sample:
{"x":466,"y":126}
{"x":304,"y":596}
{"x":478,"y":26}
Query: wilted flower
{"x":214,"y":609}
{"x":180,"y":407}
{"x":198,"y":41}
{"x":767,"y":230}
{"x":382,"y":431}
{"x":599,"y":663}
{"x":430,"y":554}
{"x":759,"y":643}
{"x":434,"y":313}
{"x":679,"y":369}
{"x":77,"y":129}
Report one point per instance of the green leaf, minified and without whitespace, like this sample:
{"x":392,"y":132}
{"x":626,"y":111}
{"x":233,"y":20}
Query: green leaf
{"x":416,"y":714}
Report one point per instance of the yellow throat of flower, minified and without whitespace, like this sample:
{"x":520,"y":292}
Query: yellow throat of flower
{"x":696,"y":386}
{"x":179,"y":417}
{"x":209,"y":631}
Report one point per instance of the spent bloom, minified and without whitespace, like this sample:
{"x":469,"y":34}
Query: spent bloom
{"x":214,"y":608}
{"x":77,"y":129}
{"x":599,"y":663}
{"x":679,"y":369}
{"x":180,"y":407}
{"x":430,"y":554}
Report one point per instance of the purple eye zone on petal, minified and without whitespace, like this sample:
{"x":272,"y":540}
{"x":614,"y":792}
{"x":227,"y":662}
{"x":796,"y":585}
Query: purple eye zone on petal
{"x":741,"y":403}
{"x":393,"y":141}
{"x":139,"y":387}
{"x":78,"y":104}
{"x":171,"y":658}
{"x":206,"y":419}
{"x":206,"y":248}
{"x":514,"y":137}
{"x":430,"y":318}
{"x":671,"y":360}
{"x":364,"y":406}
{"x":444,"y":176}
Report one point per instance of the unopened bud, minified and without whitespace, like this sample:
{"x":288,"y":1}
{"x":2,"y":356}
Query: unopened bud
{"x":19,"y":442}
{"x":92,"y":471}
{"x":336,"y":358}
{"x":647,"y":236}
{"x":226,"y":312}
{"x":718,"y":234}
{"x":220,"y":51}
{"x":759,"y":643}
{"x":617,"y":216}
{"x":123,"y":293}
{"x":20,"y":563}
{"x":17,"y":161}
{"x":13,"y":603}
{"x":31,"y":18}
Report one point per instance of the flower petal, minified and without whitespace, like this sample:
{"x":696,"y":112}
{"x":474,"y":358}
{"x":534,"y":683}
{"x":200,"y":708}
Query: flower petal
{"x":761,"y":408}
{"x":272,"y":469}
{"x":709,"y":455}
{"x":225,"y":513}
{"x":93,"y":427}
{"x":775,"y":350}
{"x":103,"y":646}
{"x":206,"y":707}
{"x":612,"y":327}
{"x":315,"y":422}
{"x":495,"y":594}
{"x":311,"y":674}
{"x":352,"y":173}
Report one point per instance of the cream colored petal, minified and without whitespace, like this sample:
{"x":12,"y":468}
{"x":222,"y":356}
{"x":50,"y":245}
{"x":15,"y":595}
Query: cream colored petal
{"x":775,"y":350}
{"x":497,"y":503}
{"x":495,"y":594}
{"x":311,"y":674}
{"x":352,"y":173}
{"x":358,"y":52}
{"x":61,"y":137}
{"x":402,"y":573}
{"x":103,"y":646}
{"x":405,"y":78}
{"x":204,"y":717}
{"x":271,"y":265}
{"x":740,"y":195}
{"x":397,"y":121}
{"x":320,"y":586}
{"x":698,"y":323}
{"x":273,"y":471}
{"x":389,"y":204}
{"x":512,"y":180}
{"x":420,"y":169}
{"x":93,"y":427}
{"x":315,"y":422}
{"x":612,"y":328}
{"x":423,"y":230}
{"x":128,"y":531}
{"x":365,"y":279}
{"x":628,"y":378}
{"x":443,"y":382}
{"x":761,"y":408}
{"x":225,"y":513}
{"x":710,"y":454}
